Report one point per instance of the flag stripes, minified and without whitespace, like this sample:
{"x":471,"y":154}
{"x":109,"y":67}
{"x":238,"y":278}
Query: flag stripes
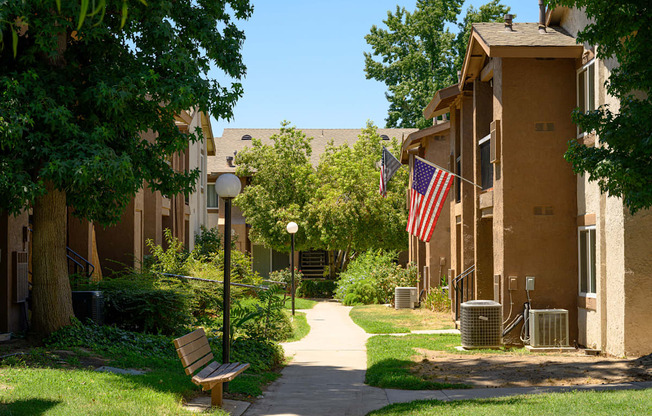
{"x":428,"y":193}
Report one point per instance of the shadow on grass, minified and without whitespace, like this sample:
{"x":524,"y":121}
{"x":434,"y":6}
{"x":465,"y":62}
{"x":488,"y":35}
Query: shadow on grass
{"x":29,"y":407}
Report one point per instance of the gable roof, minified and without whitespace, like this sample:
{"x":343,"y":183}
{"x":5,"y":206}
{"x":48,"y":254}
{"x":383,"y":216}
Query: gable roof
{"x":525,"y":41}
{"x":231,"y":141}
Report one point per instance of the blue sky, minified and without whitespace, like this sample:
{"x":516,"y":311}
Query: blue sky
{"x":305,"y":63}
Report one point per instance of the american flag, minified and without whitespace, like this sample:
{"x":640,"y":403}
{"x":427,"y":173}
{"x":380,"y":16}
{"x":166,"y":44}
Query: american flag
{"x":388,"y":167}
{"x":429,"y":191}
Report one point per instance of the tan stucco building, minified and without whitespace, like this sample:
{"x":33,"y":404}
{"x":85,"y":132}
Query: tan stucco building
{"x":110,"y":248}
{"x":236,"y":139}
{"x":531,"y":216}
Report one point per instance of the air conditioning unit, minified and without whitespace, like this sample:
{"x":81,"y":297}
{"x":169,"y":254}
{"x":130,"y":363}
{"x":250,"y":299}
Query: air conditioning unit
{"x":481,"y":324}
{"x":88,"y":305}
{"x":405,"y":297}
{"x":548,"y":327}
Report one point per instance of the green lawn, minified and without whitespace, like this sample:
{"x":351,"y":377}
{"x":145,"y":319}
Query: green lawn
{"x":299,"y":303}
{"x":389,"y":359}
{"x":607,"y":403}
{"x":379,"y":319}
{"x":300,"y":327}
{"x":69,"y":392}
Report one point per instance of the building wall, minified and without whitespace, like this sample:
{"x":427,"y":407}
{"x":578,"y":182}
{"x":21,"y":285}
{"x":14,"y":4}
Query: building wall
{"x":538,"y":192}
{"x":123,"y":244}
{"x":12,"y":239}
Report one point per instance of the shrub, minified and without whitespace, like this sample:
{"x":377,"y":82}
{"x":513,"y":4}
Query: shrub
{"x":133,"y":303}
{"x":285,"y":276}
{"x":437,"y":300}
{"x":208,"y":242}
{"x":372,"y":277}
{"x":316,"y":288}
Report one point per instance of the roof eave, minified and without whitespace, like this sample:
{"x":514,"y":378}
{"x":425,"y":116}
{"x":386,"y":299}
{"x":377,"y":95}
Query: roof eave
{"x":413,"y":140}
{"x":441,"y":102}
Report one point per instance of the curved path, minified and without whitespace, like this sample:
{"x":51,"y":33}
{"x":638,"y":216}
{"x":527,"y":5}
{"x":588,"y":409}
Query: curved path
{"x":326,"y":375}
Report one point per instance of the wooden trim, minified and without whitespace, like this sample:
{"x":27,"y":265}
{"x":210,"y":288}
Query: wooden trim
{"x":587,"y":219}
{"x":487,"y":72}
{"x":188,"y":338}
{"x":586,"y":302}
{"x":574,"y":51}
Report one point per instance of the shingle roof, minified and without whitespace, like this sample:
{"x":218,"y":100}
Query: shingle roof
{"x":524,"y":34}
{"x":231,"y":141}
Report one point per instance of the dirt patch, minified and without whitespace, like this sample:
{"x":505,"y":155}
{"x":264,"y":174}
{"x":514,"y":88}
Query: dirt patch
{"x":519,"y":370}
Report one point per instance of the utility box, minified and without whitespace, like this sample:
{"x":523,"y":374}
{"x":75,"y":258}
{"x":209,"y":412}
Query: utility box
{"x":88,"y":304}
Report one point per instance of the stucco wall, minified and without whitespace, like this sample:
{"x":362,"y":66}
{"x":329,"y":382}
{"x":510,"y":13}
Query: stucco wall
{"x":11,"y":239}
{"x":538,"y":193}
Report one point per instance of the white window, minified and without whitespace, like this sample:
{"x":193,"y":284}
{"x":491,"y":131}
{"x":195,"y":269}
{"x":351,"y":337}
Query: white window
{"x":587,"y":261}
{"x":211,"y":196}
{"x":586,"y":89}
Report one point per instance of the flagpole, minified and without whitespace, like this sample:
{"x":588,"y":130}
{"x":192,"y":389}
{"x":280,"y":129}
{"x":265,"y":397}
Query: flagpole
{"x":446,"y":170}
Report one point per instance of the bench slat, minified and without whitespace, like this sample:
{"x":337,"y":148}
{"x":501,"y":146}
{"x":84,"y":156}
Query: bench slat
{"x":230,"y":375}
{"x":214,"y":369}
{"x":192,"y":347}
{"x":188,"y":338}
{"x":197,"y":364}
{"x":192,"y":357}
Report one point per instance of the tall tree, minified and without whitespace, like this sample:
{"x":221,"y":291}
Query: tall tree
{"x":337,"y":205}
{"x":282,"y":184}
{"x":419,"y":55}
{"x":621,"y":30}
{"x":75,"y":100}
{"x":347,"y":213}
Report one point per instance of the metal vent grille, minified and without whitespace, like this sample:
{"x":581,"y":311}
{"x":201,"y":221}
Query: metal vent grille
{"x":481,"y":323}
{"x":20,"y":276}
{"x":549,"y":327}
{"x":405,"y":297}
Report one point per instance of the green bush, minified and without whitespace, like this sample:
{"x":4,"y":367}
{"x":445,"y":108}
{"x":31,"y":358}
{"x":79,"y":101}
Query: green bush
{"x":208,"y":242}
{"x":437,"y":300}
{"x":372,"y":277}
{"x":316,"y":288}
{"x":285,"y":276}
{"x":134,"y":303}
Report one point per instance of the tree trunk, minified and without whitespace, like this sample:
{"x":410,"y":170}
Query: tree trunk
{"x":51,"y":295}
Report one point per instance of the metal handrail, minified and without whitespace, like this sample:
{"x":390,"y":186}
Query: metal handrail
{"x":458,"y":285}
{"x":87,"y":268}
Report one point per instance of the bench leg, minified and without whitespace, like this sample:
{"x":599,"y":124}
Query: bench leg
{"x":216,"y":395}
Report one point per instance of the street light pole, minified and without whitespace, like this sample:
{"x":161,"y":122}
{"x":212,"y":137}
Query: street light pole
{"x":227,"y":186}
{"x":292,"y":229}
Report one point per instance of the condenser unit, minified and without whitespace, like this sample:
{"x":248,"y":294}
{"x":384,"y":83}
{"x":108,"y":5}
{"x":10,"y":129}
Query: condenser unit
{"x":88,"y":305}
{"x":481,"y":324}
{"x":405,"y":297}
{"x":548,"y":327}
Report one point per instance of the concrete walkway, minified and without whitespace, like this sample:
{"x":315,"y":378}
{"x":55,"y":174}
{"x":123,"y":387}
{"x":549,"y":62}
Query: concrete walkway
{"x":326,"y":375}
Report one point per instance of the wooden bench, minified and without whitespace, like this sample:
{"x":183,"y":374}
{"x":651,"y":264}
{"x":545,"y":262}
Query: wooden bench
{"x":195,"y":353}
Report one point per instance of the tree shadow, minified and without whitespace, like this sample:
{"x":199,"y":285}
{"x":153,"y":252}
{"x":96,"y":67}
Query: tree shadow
{"x":27,"y":407}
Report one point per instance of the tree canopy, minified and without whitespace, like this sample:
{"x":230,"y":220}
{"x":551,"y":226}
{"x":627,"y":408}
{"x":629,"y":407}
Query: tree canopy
{"x":77,"y":97}
{"x":621,"y":30}
{"x":417,"y":54}
{"x":336,"y":205}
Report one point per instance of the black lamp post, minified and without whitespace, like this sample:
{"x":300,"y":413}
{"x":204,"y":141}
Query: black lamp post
{"x":227,"y":187}
{"x":292,"y":229}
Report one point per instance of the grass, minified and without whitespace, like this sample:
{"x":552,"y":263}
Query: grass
{"x":389,"y":359}
{"x":299,"y":303}
{"x":379,"y":319}
{"x":70,"y":392}
{"x":300,"y":327}
{"x":604,"y":403}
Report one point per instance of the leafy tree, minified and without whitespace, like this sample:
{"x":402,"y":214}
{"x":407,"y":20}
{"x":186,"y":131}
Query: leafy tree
{"x":282,"y":183}
{"x":420,"y":55}
{"x":76,"y":99}
{"x":622,"y":163}
{"x":337,"y":206}
{"x":348,"y":214}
